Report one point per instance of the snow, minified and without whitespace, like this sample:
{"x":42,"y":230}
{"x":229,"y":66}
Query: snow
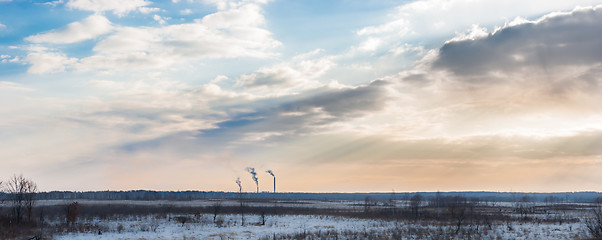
{"x":229,"y":225}
{"x":231,"y":229}
{"x":203,"y":228}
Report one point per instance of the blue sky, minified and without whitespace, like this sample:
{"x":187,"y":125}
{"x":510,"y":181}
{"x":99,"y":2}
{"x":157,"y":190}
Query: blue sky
{"x":341,"y":95}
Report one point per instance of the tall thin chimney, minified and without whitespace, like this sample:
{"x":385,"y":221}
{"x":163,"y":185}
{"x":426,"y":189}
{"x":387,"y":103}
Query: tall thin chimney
{"x":272,"y":173}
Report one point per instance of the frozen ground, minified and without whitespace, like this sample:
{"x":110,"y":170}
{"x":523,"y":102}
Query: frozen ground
{"x":202,"y":227}
{"x":345,"y":219}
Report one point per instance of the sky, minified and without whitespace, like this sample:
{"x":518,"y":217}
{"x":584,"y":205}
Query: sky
{"x":332,"y":96}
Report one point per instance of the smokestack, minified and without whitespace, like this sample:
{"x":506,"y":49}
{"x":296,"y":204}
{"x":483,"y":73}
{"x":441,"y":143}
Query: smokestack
{"x":254,"y":176}
{"x":239,"y":186}
{"x":272,"y":173}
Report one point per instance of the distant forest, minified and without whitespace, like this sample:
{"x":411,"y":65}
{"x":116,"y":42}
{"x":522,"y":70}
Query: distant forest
{"x":202,"y":195}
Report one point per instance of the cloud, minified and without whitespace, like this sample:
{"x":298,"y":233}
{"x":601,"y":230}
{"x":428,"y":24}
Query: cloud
{"x":564,"y":39}
{"x":2,"y":26}
{"x":537,"y":78}
{"x":543,"y":64}
{"x":302,"y":71}
{"x":428,"y":112}
{"x":48,"y":62}
{"x":148,"y":109}
{"x":248,"y":15}
{"x":186,"y":12}
{"x":89,"y":28}
{"x":4,"y":85}
{"x":54,"y":3}
{"x":349,"y":148}
{"x":525,"y":94}
{"x":229,"y":34}
{"x":118,"y":7}
{"x":309,"y":112}
{"x":160,"y":20}
{"x":220,"y":119}
{"x":229,"y":4}
{"x":415,"y":21}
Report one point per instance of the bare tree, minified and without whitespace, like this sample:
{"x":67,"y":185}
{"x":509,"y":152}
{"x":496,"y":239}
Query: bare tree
{"x":415,"y":204}
{"x":21,"y":192}
{"x":594,"y":224}
{"x":367,"y":204}
{"x":217,"y":206}
{"x":457,"y":207}
{"x":1,"y":188}
{"x":71,"y":212}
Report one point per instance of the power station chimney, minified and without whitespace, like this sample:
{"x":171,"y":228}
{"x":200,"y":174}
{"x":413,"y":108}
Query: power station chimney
{"x":254,"y":176}
{"x":272,"y":173}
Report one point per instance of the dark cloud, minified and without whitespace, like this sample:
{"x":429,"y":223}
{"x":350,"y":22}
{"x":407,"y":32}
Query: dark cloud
{"x":275,"y":119}
{"x":561,"y":39}
{"x":343,"y":102}
{"x":302,"y":113}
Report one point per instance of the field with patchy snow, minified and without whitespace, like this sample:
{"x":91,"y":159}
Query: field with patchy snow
{"x":447,"y":218}
{"x":314,"y":227}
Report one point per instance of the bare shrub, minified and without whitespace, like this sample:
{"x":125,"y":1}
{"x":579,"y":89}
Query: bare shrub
{"x":594,"y":224}
{"x":217,"y":206}
{"x":416,"y":204}
{"x":71,"y":212}
{"x":182,"y":219}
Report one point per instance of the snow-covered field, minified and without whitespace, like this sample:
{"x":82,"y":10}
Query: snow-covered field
{"x":283,"y":226}
{"x":204,"y":228}
{"x":310,"y":219}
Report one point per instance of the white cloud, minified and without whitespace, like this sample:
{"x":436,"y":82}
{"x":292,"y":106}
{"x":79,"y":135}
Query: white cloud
{"x":229,"y":4}
{"x":8,"y":59}
{"x":160,"y":20}
{"x":475,"y":32}
{"x":370,"y":44}
{"x":4,"y":85}
{"x":54,"y":3}
{"x":244,"y":16}
{"x":303,"y":71}
{"x":118,"y":7}
{"x":235,"y":32}
{"x":229,"y":34}
{"x":186,"y":12}
{"x":147,"y":10}
{"x":89,"y":28}
{"x":407,"y":48}
{"x":48,"y":62}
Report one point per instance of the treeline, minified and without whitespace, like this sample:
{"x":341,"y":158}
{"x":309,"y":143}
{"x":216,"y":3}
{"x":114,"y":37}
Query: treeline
{"x":201,"y":195}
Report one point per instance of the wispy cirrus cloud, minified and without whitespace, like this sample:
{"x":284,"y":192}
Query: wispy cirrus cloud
{"x":118,"y":7}
{"x":303,"y":71}
{"x":86,"y":29}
